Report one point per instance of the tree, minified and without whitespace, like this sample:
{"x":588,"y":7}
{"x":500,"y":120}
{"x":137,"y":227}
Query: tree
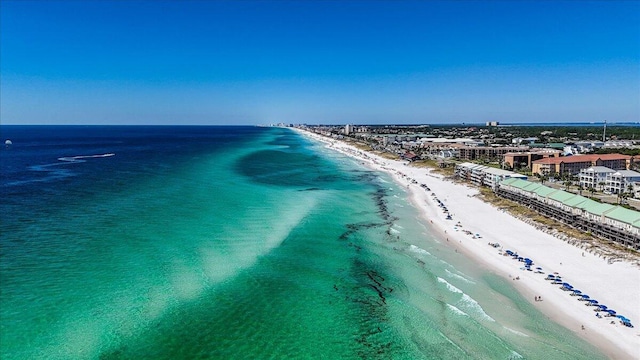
{"x":543,"y":178}
{"x":622,"y":196}
{"x":601,"y":184}
{"x":580,"y":188}
{"x":630,"y":191}
{"x":592,"y":190}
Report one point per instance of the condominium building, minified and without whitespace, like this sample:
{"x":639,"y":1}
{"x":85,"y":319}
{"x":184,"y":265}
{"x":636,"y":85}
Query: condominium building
{"x":573,"y":164}
{"x":487,"y":152}
{"x":517,"y":160}
{"x":603,"y":220}
{"x":482,"y":175}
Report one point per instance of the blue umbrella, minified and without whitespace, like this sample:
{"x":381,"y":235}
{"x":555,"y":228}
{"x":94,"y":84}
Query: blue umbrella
{"x":602,"y":307}
{"x":622,"y":318}
{"x":567,"y":285}
{"x":612,"y":312}
{"x":585,"y":296}
{"x":550,"y":276}
{"x":577,"y":292}
{"x":592,"y":301}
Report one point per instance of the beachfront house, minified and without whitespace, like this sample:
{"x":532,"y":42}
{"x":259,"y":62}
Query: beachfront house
{"x":594,"y":176}
{"x":618,"y":182}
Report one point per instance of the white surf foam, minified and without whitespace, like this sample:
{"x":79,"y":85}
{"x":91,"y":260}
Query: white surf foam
{"x":456,"y":310}
{"x":514,"y":355}
{"x":450,"y":287}
{"x":459,"y":277}
{"x":418,"y":250}
{"x":516,"y":332}
{"x":470,"y":303}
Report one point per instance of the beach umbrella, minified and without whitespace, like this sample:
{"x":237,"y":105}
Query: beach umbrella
{"x":577,"y":292}
{"x":622,"y":318}
{"x":567,"y":285}
{"x":592,"y":301}
{"x":612,"y":312}
{"x":538,"y":268}
{"x":584,"y":297}
{"x":602,"y":307}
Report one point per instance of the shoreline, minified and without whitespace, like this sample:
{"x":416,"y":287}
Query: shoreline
{"x":616,"y":285}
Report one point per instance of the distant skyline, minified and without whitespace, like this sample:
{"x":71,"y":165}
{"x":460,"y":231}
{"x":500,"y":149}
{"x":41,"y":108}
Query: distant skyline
{"x":329,"y":62}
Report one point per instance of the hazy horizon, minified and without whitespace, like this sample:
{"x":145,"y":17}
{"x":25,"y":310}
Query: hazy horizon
{"x":318,"y":62}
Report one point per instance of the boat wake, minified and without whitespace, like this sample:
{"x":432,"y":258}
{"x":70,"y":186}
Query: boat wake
{"x":54,"y":170}
{"x":80,"y":158}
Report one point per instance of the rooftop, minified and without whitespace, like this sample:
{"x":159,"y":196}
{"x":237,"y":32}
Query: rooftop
{"x":599,"y":169}
{"x":582,"y":158}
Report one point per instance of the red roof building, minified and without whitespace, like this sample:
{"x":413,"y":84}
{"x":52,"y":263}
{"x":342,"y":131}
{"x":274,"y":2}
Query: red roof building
{"x":573,"y":164}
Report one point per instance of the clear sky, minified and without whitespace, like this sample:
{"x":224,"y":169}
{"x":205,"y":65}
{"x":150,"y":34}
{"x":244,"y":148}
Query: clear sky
{"x":246,"y":62}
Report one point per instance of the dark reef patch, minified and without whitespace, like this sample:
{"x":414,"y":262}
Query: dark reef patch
{"x":285,"y":168}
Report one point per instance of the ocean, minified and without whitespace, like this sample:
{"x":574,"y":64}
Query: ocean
{"x":141,"y":242}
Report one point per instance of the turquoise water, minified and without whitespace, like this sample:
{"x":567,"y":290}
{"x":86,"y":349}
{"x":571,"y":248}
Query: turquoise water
{"x":236,"y":243}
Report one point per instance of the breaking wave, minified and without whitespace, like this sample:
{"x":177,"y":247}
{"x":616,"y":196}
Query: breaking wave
{"x":451,"y":287}
{"x":472,"y":304}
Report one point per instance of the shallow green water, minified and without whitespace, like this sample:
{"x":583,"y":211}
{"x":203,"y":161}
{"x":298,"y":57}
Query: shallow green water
{"x":254,"y":244}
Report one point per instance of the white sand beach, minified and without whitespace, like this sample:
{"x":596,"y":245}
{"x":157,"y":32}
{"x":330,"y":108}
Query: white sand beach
{"x":615,"y":285}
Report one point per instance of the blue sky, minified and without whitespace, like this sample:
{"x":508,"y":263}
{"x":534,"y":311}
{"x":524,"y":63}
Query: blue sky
{"x":246,"y":62}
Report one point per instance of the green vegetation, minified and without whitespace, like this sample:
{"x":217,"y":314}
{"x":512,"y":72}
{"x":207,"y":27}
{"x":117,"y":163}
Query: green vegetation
{"x":624,"y":151}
